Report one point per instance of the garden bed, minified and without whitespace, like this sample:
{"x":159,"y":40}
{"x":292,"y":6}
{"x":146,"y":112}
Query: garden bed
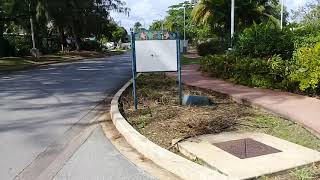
{"x":161,"y":119}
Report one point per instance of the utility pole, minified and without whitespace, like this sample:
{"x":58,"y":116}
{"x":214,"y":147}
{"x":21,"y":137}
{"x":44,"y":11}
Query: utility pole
{"x":184,"y":30}
{"x":232,"y":19}
{"x":34,"y":51}
{"x":282,"y":7}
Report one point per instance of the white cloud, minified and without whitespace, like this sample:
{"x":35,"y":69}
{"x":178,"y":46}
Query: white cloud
{"x":146,"y":11}
{"x":294,"y":4}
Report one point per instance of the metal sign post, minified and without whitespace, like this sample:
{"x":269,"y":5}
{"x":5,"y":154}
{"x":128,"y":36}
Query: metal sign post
{"x":134,"y":72}
{"x":179,"y":70}
{"x":155,"y":51}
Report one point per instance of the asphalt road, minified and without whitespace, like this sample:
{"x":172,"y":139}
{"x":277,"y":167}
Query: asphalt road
{"x":38,"y":107}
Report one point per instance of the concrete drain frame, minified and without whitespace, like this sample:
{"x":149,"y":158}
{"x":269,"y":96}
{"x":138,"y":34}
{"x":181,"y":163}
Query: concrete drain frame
{"x":246,"y":148}
{"x":242,"y":155}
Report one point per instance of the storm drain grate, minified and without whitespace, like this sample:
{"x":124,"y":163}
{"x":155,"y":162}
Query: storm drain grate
{"x":246,"y":148}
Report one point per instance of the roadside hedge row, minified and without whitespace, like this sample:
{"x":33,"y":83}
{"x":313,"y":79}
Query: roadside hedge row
{"x":253,"y":72}
{"x":301,"y":73}
{"x":265,"y":56}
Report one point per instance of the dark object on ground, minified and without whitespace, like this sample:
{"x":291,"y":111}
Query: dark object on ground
{"x":246,"y":148}
{"x":195,"y":100}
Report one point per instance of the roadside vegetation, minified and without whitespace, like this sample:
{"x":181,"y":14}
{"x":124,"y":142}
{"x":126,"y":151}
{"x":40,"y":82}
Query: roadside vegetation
{"x":161,"y":119}
{"x":61,"y":28}
{"x":260,"y":54}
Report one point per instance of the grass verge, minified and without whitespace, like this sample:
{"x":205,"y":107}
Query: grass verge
{"x":161,"y":119}
{"x":20,"y":63}
{"x":187,"y":60}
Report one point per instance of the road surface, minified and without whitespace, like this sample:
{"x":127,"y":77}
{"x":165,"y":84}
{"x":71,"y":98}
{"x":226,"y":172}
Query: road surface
{"x":38,"y":108}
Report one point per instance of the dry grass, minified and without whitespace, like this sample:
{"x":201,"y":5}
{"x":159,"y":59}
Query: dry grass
{"x":161,"y":119}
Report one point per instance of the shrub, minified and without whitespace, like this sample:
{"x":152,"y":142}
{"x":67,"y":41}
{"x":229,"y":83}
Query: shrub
{"x":255,"y":72}
{"x":22,"y":44}
{"x":306,"y":40}
{"x":6,"y":49}
{"x":264,"y":40}
{"x":213,"y":46}
{"x":91,"y":45}
{"x":307,"y":67}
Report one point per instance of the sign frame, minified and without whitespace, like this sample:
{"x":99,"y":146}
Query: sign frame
{"x":162,"y":36}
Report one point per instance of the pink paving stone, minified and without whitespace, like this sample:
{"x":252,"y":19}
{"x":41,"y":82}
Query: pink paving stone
{"x":302,"y":109}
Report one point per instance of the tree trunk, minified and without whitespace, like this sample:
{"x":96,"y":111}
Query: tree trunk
{"x":75,"y":37}
{"x":62,"y":38}
{"x":1,"y":29}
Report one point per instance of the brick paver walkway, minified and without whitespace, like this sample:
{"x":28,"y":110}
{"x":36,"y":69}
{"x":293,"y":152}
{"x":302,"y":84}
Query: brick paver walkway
{"x":304,"y":110}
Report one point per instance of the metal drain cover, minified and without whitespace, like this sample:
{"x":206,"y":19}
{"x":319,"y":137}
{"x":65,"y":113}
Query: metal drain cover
{"x":246,"y":148}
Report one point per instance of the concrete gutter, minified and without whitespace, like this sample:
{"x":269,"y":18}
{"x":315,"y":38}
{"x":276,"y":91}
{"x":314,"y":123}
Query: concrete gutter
{"x":173,"y":163}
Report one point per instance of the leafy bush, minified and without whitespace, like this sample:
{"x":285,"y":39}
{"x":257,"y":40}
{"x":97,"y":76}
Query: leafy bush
{"x":213,"y":46}
{"x":6,"y":49}
{"x":304,"y":38}
{"x":255,"y":72}
{"x":307,"y":67}
{"x":22,"y":44}
{"x":91,"y":45}
{"x":264,"y":40}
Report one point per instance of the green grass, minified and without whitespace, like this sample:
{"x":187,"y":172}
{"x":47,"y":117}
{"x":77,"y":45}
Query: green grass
{"x":281,"y":128}
{"x":303,"y":174}
{"x":189,"y":61}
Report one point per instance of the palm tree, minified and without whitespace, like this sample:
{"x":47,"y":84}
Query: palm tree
{"x":217,"y":13}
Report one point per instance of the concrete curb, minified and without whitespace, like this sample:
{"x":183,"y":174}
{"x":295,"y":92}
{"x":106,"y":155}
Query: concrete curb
{"x":173,"y":163}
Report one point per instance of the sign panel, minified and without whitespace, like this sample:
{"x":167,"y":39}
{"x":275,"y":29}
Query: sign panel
{"x":155,"y":51}
{"x":155,"y":35}
{"x":156,"y":56}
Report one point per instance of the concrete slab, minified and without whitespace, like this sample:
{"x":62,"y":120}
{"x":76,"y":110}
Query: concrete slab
{"x":291,"y":155}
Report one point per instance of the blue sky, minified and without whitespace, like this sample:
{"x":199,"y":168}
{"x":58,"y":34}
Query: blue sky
{"x":146,"y":11}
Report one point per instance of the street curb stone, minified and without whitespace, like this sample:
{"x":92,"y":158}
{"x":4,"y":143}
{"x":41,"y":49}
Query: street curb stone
{"x":173,"y":163}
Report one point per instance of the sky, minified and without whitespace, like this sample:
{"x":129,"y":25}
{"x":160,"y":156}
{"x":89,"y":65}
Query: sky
{"x":146,"y":11}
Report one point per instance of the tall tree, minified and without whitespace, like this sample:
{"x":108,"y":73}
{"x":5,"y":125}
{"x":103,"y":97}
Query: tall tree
{"x":137,"y":26}
{"x":217,"y":13}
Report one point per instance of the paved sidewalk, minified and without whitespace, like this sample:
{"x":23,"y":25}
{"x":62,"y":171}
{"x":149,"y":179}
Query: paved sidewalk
{"x":304,"y":110}
{"x":97,"y":159}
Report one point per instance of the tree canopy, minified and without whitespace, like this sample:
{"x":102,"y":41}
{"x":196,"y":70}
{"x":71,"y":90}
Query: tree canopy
{"x":217,"y":13}
{"x":78,"y":19}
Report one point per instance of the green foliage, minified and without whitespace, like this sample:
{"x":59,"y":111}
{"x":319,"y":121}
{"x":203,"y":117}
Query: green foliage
{"x":307,"y":36}
{"x":254,"y":72}
{"x":91,"y":45}
{"x":175,"y":22}
{"x":137,"y":26}
{"x":156,"y":26}
{"x":217,"y":13}
{"x":213,"y":46}
{"x":22,"y":44}
{"x":78,"y":19}
{"x":119,"y":34}
{"x":6,"y":49}
{"x":307,"y":67}
{"x":303,"y":174}
{"x":264,"y":40}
